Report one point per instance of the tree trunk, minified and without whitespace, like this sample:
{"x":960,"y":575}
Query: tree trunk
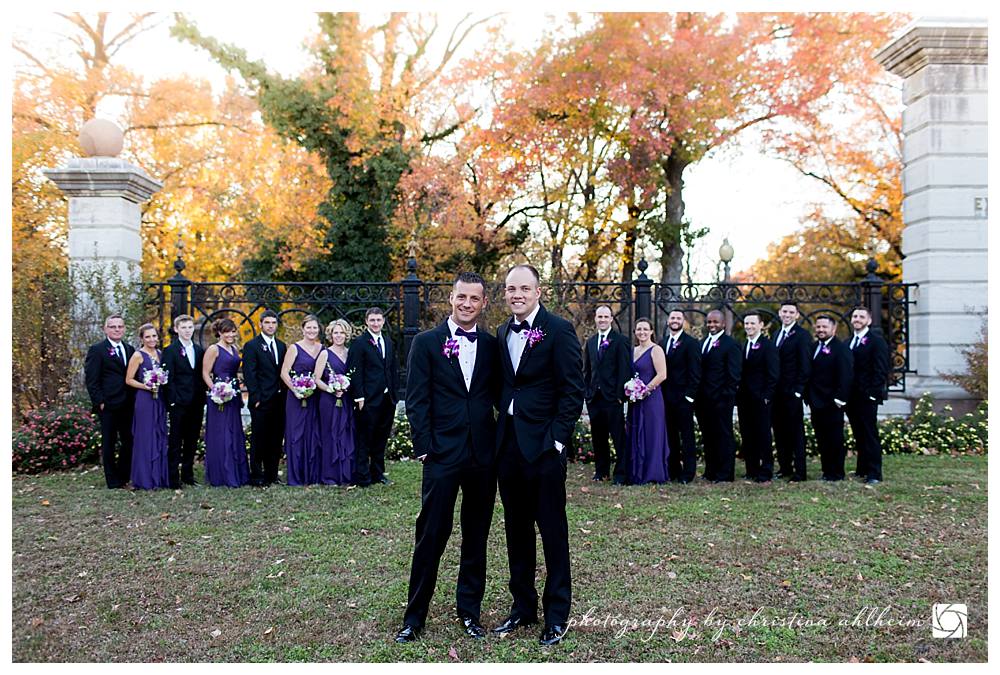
{"x":672,"y":253}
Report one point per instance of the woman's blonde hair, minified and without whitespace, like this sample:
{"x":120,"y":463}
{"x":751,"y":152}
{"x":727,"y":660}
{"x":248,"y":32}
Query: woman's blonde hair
{"x":333,"y":324}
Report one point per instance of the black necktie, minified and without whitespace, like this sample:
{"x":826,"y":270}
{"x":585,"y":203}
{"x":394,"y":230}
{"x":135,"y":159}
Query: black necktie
{"x":518,"y":327}
{"x":855,"y":342}
{"x":120,"y":353}
{"x":468,"y":335}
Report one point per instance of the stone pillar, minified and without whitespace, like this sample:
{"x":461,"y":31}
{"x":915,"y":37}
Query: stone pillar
{"x":943,"y":63}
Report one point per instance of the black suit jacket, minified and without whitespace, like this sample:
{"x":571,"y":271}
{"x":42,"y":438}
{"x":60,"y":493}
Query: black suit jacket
{"x":831,"y":375}
{"x":260,"y":374}
{"x":871,"y":367}
{"x":683,"y":368}
{"x":795,"y":362}
{"x":448,"y":422}
{"x":760,"y":371}
{"x":720,"y":369}
{"x":373,"y":374}
{"x":547,"y":388}
{"x":608,"y":374}
{"x":104,"y":374}
{"x":184,"y":383}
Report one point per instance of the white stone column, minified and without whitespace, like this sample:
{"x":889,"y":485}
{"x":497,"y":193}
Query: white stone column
{"x":943,"y":63}
{"x":104,"y":214}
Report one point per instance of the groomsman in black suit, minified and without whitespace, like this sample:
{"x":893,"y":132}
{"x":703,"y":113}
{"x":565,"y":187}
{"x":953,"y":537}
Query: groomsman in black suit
{"x":262,"y":358}
{"x":868,"y":390}
{"x":540,"y":402}
{"x":451,"y":392}
{"x":679,"y":391}
{"x":104,"y":373}
{"x":185,"y":398}
{"x":795,"y":363}
{"x":754,"y":397}
{"x":827,"y":394}
{"x":607,"y":366}
{"x":376,"y":378}
{"x":721,"y":363}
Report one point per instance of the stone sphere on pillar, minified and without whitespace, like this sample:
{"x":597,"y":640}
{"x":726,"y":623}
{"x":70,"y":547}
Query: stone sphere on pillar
{"x":101,"y":138}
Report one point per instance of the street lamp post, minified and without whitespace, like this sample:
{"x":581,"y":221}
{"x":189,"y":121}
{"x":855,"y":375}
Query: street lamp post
{"x":726,"y":254}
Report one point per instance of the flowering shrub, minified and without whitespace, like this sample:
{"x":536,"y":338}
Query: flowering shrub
{"x":400,"y":443}
{"x":56,"y":436}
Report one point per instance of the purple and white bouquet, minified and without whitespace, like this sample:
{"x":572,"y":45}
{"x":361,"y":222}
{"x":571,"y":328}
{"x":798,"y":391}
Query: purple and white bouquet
{"x":636,"y":389}
{"x":339,"y":384}
{"x":303,"y":385}
{"x":222,"y":392}
{"x":154,"y":378}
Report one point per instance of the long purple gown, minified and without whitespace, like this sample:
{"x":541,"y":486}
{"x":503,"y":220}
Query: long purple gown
{"x":647,"y":429}
{"x":225,"y":445}
{"x":302,"y":427}
{"x":336,"y":429}
{"x":149,"y":433}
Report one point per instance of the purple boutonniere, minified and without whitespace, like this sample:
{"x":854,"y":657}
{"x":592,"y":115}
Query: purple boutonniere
{"x":372,"y":343}
{"x":604,"y":344}
{"x":714,"y":345}
{"x":864,"y":340}
{"x":112,"y":352}
{"x":450,"y":348}
{"x":534,"y":336}
{"x":755,"y":346}
{"x":825,"y":349}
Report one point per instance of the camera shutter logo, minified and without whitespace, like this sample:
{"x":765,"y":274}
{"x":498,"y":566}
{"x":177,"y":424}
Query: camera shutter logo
{"x":950,"y":621}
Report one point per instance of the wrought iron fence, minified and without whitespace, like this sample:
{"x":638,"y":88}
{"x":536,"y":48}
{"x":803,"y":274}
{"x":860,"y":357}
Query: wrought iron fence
{"x":412,"y":305}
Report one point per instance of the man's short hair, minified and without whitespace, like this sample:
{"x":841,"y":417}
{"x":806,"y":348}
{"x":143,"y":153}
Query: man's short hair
{"x":270,"y":314}
{"x":679,"y":311}
{"x":114,"y":316}
{"x":373,"y":310}
{"x":789,"y":303}
{"x":828,"y":317}
{"x":600,"y":307}
{"x":861,"y":308}
{"x":181,"y":318}
{"x":754,"y":312}
{"x":470,"y":278}
{"x":526,"y":266}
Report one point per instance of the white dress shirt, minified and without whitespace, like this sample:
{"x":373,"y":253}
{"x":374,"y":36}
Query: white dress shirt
{"x":188,"y":348}
{"x":466,"y":352}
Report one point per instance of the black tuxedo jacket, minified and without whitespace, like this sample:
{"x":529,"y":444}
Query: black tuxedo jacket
{"x":547,"y":388}
{"x":760,"y":371}
{"x":260,"y":374}
{"x":184,"y":383}
{"x":720,"y":369}
{"x":445,"y":416}
{"x":104,"y":374}
{"x":831,"y":375}
{"x":373,"y":374}
{"x":795,"y":362}
{"x":607,"y":374}
{"x":871,"y":367}
{"x":683,"y":368}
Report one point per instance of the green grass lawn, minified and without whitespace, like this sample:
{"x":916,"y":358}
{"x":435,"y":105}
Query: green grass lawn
{"x":320,"y":574}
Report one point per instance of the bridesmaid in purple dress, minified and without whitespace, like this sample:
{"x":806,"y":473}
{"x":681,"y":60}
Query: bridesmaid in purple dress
{"x":150,"y":469}
{"x":225,"y":445}
{"x":302,"y":421}
{"x":336,"y":417}
{"x":646,"y":427}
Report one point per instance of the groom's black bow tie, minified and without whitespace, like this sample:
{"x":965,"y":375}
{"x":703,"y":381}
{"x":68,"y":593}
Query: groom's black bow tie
{"x":470,"y":336}
{"x":518,"y":327}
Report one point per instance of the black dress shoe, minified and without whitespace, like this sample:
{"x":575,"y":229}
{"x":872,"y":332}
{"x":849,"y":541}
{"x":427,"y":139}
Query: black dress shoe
{"x":872,"y":481}
{"x":406,"y":634}
{"x":473,"y":628}
{"x":552,"y":635}
{"x":599,"y":477}
{"x":384,"y":481}
{"x":797,"y":479}
{"x":512,"y":623}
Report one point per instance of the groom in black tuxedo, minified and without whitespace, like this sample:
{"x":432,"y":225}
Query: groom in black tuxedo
{"x":185,"y":398}
{"x":827,"y":395}
{"x":104,"y":373}
{"x":607,"y":366}
{"x":262,"y":358}
{"x":540,"y":402}
{"x":721,"y":365}
{"x":683,"y":354}
{"x":451,"y":393}
{"x":868,"y":390}
{"x":372,"y":358}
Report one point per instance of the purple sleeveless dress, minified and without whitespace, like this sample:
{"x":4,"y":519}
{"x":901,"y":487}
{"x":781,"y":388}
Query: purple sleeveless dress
{"x":225,"y":445}
{"x":149,"y":432}
{"x":647,"y":429}
{"x":302,"y":428}
{"x":336,"y":429}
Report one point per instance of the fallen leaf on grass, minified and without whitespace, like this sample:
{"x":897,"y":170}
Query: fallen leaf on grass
{"x":678,"y":635}
{"x":216,"y":633}
{"x":76,"y":597}
{"x":585,"y":489}
{"x":671,"y":575}
{"x":205,"y":505}
{"x":786,"y":583}
{"x":618,"y":506}
{"x":585,"y":531}
{"x":860,"y":578}
{"x":45,"y":502}
{"x":37,"y":621}
{"x":164,"y":516}
{"x":814,"y":499}
{"x":453,"y":654}
{"x":269,"y":631}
